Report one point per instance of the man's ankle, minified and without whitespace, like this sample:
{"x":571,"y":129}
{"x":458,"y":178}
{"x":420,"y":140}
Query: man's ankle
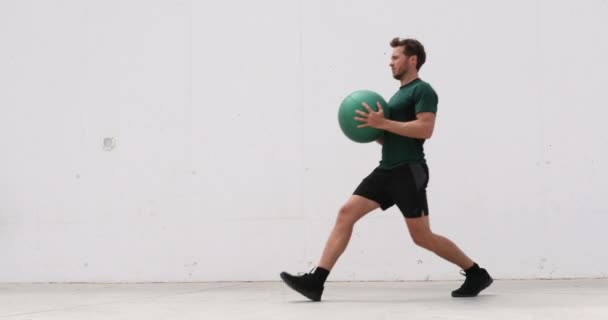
{"x":321,"y":274}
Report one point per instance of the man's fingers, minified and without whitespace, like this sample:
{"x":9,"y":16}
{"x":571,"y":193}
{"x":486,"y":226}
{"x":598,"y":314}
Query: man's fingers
{"x":379,"y":107}
{"x":361,"y":119}
{"x":367,"y":107}
{"x":361,"y":113}
{"x":363,"y":125}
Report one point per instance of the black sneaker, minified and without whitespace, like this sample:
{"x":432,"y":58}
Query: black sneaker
{"x":474,"y":283}
{"x":306,"y":284}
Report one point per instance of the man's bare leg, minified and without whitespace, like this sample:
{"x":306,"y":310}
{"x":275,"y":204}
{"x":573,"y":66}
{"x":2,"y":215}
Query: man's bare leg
{"x":477,"y":278}
{"x":311,"y":284}
{"x":423,"y":236}
{"x":354,"y":209}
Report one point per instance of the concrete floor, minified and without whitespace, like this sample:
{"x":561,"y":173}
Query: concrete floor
{"x":542,"y":299}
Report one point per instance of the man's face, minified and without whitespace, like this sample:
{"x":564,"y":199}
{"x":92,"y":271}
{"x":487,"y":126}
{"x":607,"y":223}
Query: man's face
{"x":401,"y":64}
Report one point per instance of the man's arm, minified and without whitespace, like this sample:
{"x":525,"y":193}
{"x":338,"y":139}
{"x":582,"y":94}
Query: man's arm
{"x":421,"y":128}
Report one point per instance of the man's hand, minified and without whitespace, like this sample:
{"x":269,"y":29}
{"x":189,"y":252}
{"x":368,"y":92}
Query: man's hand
{"x":374,"y":119}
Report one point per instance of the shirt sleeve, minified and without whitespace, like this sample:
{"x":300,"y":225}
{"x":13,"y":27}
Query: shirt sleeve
{"x":426,"y":99}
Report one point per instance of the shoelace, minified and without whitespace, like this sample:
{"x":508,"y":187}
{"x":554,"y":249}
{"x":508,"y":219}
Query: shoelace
{"x":307,"y":273}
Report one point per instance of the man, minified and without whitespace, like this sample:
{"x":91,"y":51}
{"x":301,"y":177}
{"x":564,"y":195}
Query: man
{"x":400,"y":179}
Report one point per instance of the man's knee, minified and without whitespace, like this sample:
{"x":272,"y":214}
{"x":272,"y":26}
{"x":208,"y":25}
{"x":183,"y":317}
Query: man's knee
{"x":347,"y":215}
{"x":421,"y":232}
{"x":423,"y":239}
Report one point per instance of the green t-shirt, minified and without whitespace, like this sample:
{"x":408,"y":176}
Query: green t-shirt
{"x":412,"y":98}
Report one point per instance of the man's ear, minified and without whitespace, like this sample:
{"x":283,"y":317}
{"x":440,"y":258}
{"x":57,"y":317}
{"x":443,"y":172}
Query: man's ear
{"x":414,"y":60}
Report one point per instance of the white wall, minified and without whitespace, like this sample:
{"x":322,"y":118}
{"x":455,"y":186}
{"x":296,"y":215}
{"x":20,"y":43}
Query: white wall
{"x":228,"y":162}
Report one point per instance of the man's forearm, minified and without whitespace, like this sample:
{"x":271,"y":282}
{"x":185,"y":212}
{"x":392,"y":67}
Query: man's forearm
{"x":413,"y":129}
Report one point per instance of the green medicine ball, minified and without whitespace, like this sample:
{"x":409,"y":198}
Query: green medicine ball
{"x":346,"y":115}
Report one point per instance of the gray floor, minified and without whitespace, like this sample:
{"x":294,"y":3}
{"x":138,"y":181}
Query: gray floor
{"x":542,"y":299}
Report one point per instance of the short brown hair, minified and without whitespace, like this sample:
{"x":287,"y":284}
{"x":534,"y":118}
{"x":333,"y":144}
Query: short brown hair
{"x":411,"y":47}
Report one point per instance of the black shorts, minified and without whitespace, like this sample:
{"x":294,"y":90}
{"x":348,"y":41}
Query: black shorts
{"x":404,"y":186}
